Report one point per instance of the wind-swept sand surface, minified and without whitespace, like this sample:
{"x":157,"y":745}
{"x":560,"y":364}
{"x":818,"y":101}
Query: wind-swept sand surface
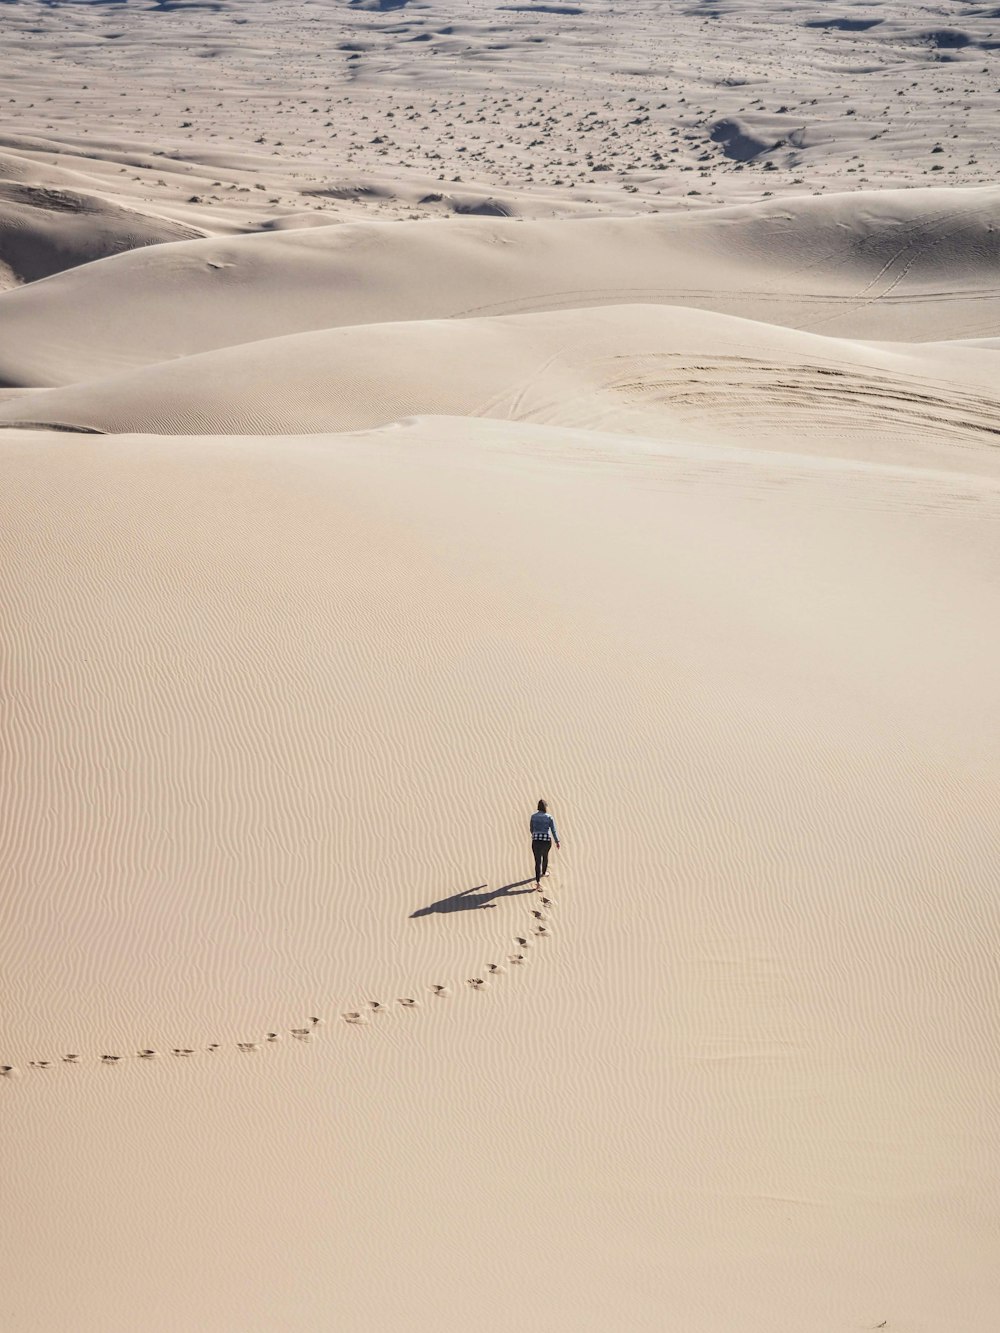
{"x":336,"y":529}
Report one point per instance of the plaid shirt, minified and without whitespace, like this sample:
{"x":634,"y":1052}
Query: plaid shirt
{"x":543,"y":827}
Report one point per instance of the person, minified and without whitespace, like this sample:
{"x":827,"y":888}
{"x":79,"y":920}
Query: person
{"x":543,"y":834}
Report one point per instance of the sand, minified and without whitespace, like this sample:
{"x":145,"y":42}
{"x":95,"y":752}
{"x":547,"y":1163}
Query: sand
{"x":338,"y":524}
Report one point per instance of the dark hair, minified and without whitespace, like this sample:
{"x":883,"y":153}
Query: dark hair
{"x":542,"y":806}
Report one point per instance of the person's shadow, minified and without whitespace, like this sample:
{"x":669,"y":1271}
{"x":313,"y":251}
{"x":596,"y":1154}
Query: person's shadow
{"x":469,"y":899}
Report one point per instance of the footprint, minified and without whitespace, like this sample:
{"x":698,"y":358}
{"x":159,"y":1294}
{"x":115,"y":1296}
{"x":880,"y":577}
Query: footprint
{"x":304,"y":1034}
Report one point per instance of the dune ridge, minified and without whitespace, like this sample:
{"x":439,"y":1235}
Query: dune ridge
{"x":45,"y":231}
{"x":655,"y":371}
{"x":902,"y":264}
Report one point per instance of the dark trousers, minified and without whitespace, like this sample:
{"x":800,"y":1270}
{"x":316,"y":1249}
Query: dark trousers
{"x":540,"y":846}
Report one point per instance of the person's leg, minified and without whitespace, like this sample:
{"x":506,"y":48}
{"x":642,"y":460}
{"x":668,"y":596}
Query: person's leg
{"x":536,"y":846}
{"x":545,"y":857}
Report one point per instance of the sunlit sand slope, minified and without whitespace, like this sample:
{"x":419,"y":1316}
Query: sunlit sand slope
{"x":652,"y":370}
{"x":269,"y":698}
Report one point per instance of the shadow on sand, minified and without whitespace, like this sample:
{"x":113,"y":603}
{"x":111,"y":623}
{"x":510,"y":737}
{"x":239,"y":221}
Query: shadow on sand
{"x":469,"y":899}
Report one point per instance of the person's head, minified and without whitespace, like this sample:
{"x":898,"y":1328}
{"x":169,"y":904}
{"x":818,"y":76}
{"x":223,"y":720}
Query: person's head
{"x":542,"y":807}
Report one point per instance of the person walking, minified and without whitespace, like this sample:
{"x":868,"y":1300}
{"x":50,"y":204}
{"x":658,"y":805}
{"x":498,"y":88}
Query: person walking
{"x":543,"y":834}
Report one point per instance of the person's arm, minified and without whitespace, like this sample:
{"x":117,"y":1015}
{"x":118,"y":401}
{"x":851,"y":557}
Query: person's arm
{"x":555,"y":835}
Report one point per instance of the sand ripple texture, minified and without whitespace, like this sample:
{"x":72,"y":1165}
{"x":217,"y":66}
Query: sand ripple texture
{"x":265,"y":699}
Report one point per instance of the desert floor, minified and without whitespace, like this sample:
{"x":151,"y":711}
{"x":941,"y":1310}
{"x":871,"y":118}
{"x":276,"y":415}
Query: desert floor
{"x":409,"y":410}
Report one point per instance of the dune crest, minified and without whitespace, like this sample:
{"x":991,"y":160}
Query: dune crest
{"x":901,"y":264}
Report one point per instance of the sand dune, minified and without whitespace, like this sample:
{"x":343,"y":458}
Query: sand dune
{"x":771,"y":932}
{"x":619,"y":112}
{"x":657,"y":371}
{"x":901,"y":264}
{"x":412,"y":408}
{"x":44,"y":231}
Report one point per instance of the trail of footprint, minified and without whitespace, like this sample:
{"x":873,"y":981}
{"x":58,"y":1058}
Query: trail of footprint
{"x":356,"y":1017}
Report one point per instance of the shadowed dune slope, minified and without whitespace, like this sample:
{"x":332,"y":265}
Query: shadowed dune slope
{"x":45,"y":231}
{"x":900,"y":264}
